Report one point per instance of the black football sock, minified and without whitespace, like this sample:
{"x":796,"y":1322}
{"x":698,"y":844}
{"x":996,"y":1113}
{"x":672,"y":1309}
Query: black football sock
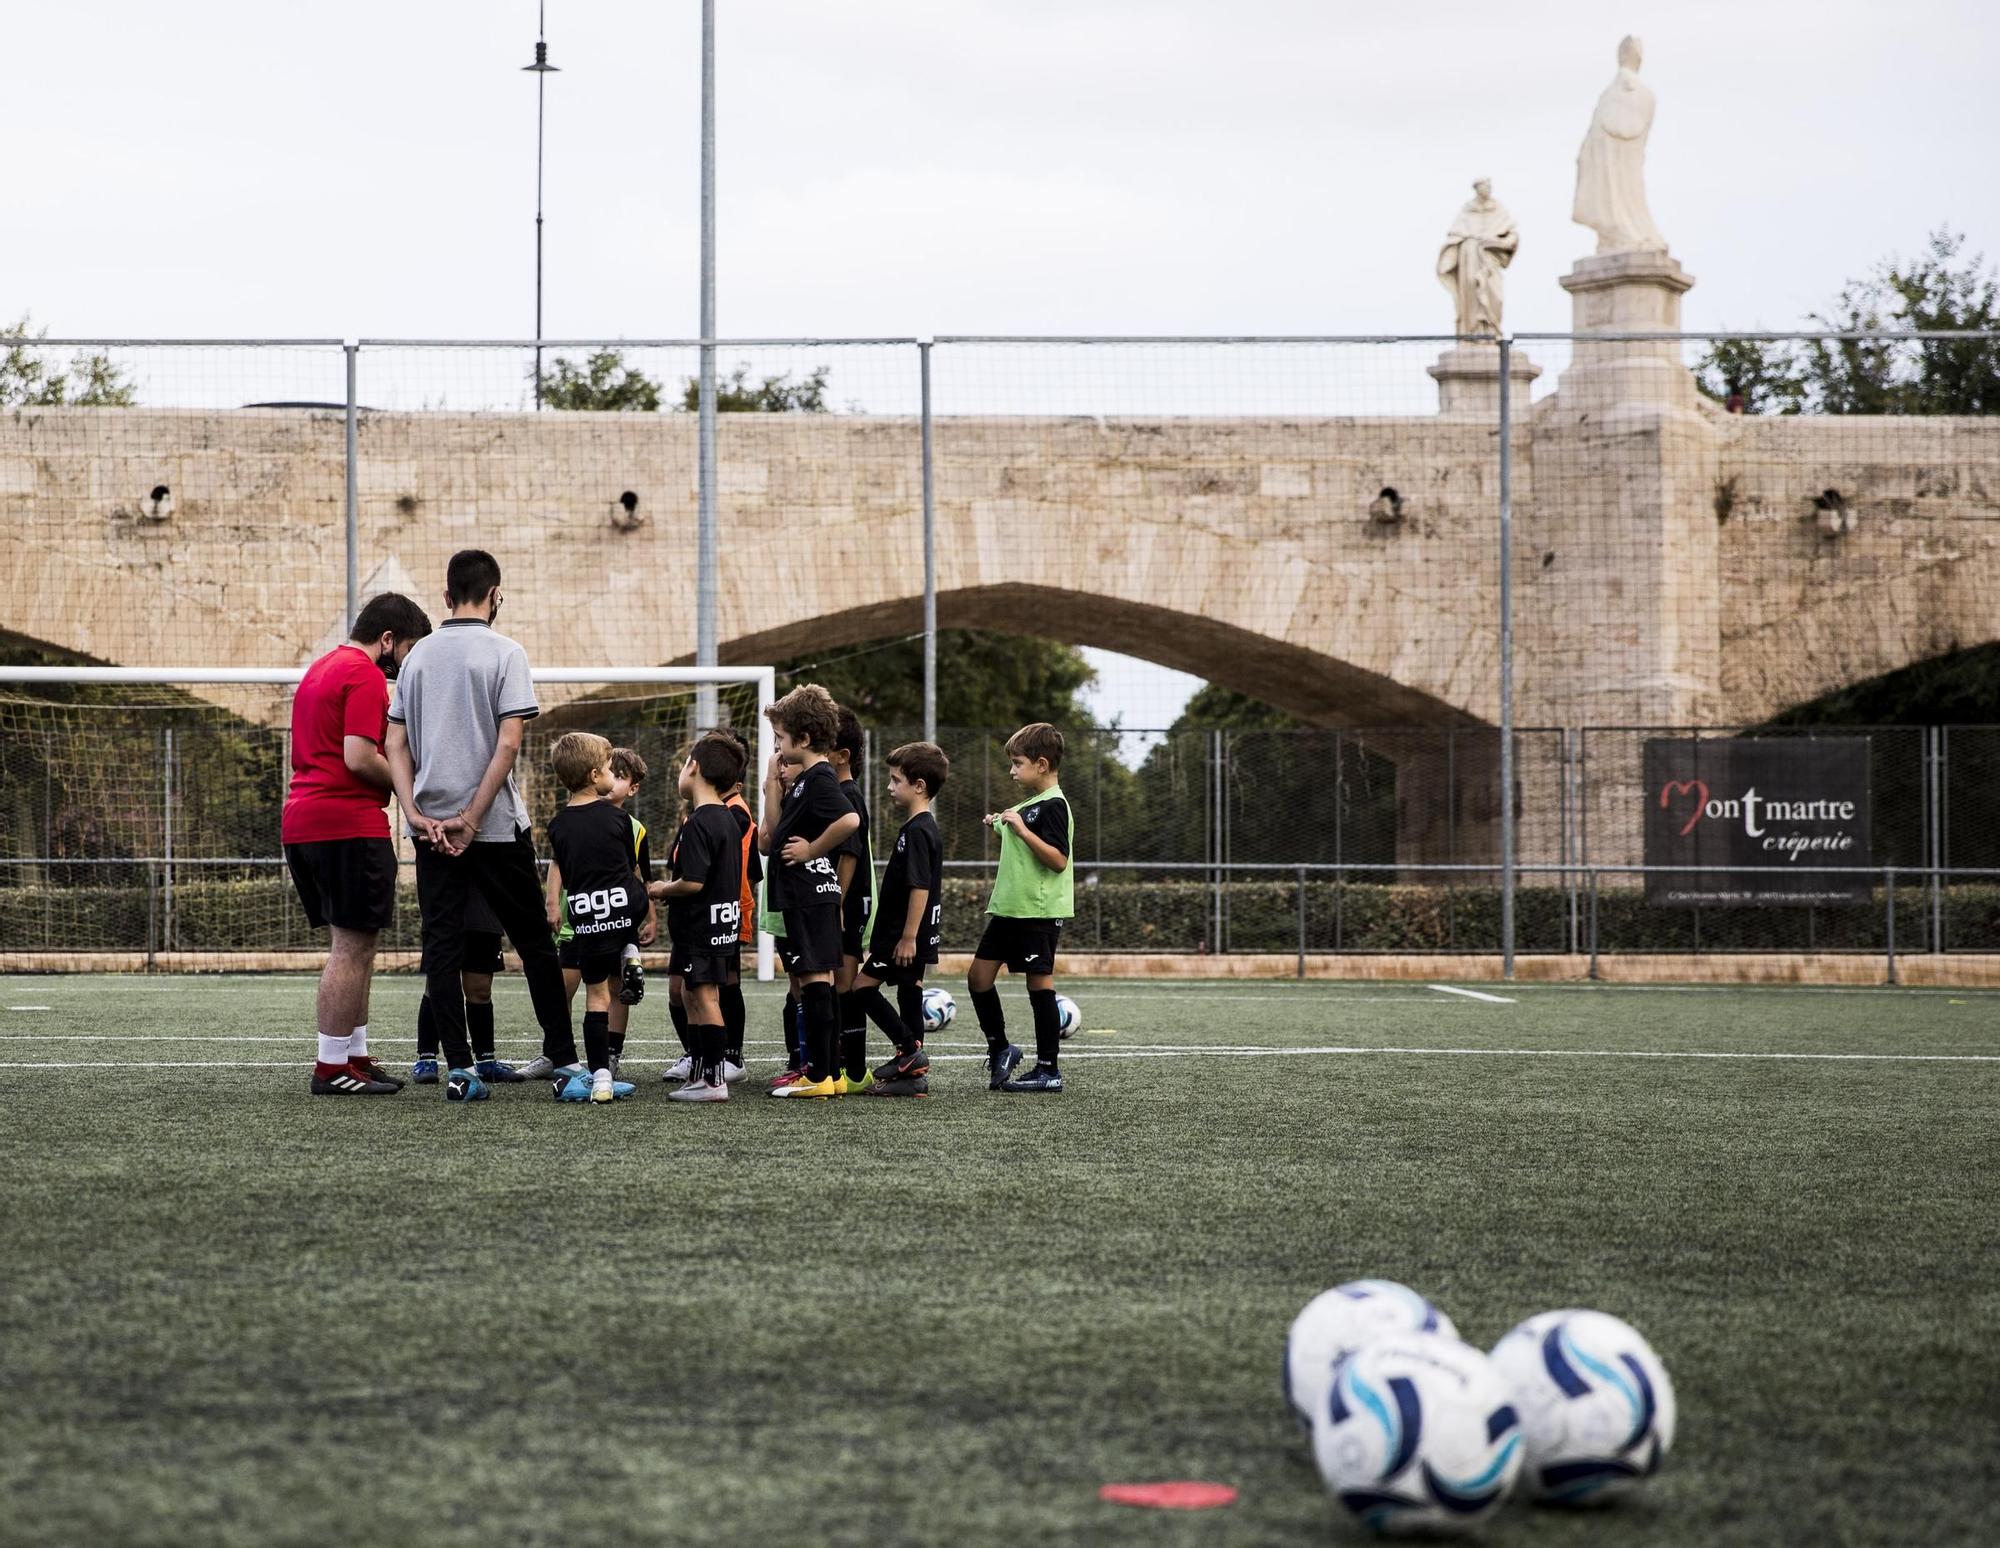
{"x":617,"y":1036}
{"x":479,"y":1027}
{"x":992,"y":1018}
{"x":795,"y":1055}
{"x":910,"y":1003}
{"x":875,"y":1006}
{"x":427,"y":1030}
{"x":822,"y":1019}
{"x":853,"y":1036}
{"x":1048,"y":1026}
{"x":678,"y":1011}
{"x":596,"y":1040}
{"x":734,"y":1019}
{"x":712,"y":1040}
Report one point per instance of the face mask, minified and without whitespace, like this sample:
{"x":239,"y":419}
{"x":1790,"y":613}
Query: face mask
{"x":387,"y":663}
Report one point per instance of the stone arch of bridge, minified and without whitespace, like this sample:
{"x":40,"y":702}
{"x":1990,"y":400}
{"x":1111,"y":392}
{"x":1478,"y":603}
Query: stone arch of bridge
{"x":1315,"y":686}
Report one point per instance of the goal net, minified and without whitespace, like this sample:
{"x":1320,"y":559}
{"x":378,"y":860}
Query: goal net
{"x":139,"y":809}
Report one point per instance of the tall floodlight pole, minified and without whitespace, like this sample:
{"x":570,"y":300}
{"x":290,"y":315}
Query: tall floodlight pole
{"x":541,"y":69}
{"x":704,"y":585}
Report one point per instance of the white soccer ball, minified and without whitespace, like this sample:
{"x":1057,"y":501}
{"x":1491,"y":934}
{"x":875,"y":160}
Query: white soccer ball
{"x":1069,"y":1020}
{"x":1597,"y":1406}
{"x":939,"y":1008}
{"x":1418,"y":1433}
{"x":1341,"y":1320}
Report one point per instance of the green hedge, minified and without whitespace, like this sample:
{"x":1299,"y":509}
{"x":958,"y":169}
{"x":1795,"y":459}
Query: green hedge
{"x":260,"y":914}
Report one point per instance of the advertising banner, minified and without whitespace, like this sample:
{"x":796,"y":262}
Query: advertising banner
{"x":1726,"y":805}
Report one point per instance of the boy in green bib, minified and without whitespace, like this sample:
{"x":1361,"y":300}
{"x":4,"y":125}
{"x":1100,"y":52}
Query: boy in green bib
{"x":1033,"y":893}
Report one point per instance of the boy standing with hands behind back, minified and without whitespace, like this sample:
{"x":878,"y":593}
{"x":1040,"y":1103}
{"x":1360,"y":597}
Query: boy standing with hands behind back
{"x":802,"y":828}
{"x":1033,"y":893}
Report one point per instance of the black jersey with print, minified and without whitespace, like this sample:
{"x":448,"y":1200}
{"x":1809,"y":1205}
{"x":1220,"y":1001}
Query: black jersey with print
{"x":708,"y":849}
{"x":811,"y":806}
{"x":916,"y":862}
{"x":592,"y":847}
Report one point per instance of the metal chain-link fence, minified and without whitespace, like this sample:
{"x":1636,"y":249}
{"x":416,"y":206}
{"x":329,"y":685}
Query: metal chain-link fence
{"x":1712,"y":584}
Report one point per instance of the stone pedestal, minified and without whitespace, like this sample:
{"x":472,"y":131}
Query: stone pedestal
{"x":1468,"y":378}
{"x":1626,"y":293}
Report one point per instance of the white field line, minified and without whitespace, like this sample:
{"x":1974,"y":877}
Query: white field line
{"x":1472,"y":994}
{"x":1227,"y":1052}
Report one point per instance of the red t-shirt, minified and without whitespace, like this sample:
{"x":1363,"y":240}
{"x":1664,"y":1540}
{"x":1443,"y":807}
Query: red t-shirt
{"x":343,"y":694}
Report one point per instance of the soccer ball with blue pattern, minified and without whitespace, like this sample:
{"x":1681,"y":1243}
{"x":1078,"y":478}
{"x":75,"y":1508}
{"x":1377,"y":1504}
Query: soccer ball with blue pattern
{"x":1597,"y":1407}
{"x":1341,"y":1320}
{"x":1418,"y":1434}
{"x":1069,"y":1020}
{"x":939,"y":1008}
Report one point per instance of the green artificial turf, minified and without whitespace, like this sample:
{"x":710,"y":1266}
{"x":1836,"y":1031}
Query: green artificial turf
{"x":233,"y":1314}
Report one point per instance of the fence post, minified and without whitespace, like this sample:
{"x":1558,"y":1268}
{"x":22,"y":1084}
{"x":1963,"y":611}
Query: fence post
{"x":1302,"y":921}
{"x":1506,"y":664}
{"x":1593,"y":924}
{"x":152,"y":913}
{"x":1889,"y":916}
{"x":930,"y":547}
{"x":353,"y":492}
{"x":1935,"y":739}
{"x":167,"y":841}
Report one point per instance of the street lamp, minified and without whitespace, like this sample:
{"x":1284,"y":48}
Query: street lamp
{"x":541,"y":69}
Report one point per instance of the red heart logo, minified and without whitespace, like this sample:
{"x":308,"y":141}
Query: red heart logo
{"x":1695,"y":787}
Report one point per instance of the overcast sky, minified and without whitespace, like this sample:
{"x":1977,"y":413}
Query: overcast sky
{"x":953,"y":166}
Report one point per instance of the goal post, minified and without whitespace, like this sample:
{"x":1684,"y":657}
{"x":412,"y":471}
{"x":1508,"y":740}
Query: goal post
{"x":139,"y":805}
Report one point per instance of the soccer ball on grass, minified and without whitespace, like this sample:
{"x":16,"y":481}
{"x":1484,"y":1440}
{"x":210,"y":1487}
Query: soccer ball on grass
{"x":939,"y":1008}
{"x":1597,"y":1406}
{"x":1341,"y":1320}
{"x":1418,"y":1433}
{"x":1069,"y":1020}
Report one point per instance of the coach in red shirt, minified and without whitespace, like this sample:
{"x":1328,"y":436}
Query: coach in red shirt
{"x":336,"y":833}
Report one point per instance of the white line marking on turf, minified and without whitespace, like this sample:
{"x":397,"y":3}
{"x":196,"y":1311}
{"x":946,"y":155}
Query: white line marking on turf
{"x":30,"y":1007}
{"x":1472,"y":994}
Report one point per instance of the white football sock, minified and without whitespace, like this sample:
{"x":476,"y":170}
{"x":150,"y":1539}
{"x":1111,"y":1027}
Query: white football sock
{"x":357,"y":1043}
{"x":332,"y":1050}
{"x":631,"y":952}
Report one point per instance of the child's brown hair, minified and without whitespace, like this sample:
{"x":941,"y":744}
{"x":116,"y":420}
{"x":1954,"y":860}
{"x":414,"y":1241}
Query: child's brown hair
{"x":718,"y":758}
{"x":923,"y":761}
{"x":1040,"y":740}
{"x":576,"y":755}
{"x":807,"y":714}
{"x":627,"y":764}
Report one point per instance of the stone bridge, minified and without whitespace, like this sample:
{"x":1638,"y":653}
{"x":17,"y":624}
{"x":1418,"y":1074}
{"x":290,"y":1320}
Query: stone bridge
{"x":1674,"y":565}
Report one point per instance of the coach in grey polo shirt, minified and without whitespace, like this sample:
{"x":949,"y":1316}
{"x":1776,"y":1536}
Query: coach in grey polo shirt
{"x":462,"y":699}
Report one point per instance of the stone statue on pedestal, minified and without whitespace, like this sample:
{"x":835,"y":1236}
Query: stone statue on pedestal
{"x":1480,"y":244}
{"x":1611,"y":167}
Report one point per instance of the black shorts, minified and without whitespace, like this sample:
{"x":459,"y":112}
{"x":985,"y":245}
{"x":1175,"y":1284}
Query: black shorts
{"x":482,"y":952}
{"x":597,"y":956}
{"x":854,"y":912}
{"x":566,"y":954}
{"x":811,"y":942}
{"x":346,"y":882}
{"x":882,"y":968}
{"x":1024,"y":945}
{"x":704,"y":967}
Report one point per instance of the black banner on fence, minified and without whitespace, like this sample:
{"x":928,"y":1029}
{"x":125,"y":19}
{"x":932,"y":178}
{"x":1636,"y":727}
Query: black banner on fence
{"x":1781,"y":801}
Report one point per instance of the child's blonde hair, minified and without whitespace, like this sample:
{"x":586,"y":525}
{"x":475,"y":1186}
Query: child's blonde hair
{"x":577,"y":755}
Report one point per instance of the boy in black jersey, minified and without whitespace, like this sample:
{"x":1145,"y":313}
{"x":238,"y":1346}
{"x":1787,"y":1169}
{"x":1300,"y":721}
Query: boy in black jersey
{"x":802,"y":829}
{"x":603,"y":899}
{"x":855,"y":863}
{"x":705,"y":909}
{"x":908,"y":922}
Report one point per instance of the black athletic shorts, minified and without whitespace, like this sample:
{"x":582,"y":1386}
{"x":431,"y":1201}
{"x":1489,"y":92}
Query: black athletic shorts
{"x":883,"y":969}
{"x":853,"y":940}
{"x":346,"y":882}
{"x":811,"y":942}
{"x":482,"y":952}
{"x":1024,"y":945}
{"x":599,"y":955}
{"x":703,"y":967}
{"x":566,"y":955}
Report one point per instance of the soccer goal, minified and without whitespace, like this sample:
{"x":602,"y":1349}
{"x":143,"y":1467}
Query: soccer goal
{"x":139,"y":806}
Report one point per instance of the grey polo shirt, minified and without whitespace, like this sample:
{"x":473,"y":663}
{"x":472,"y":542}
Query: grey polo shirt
{"x":454,"y":689}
